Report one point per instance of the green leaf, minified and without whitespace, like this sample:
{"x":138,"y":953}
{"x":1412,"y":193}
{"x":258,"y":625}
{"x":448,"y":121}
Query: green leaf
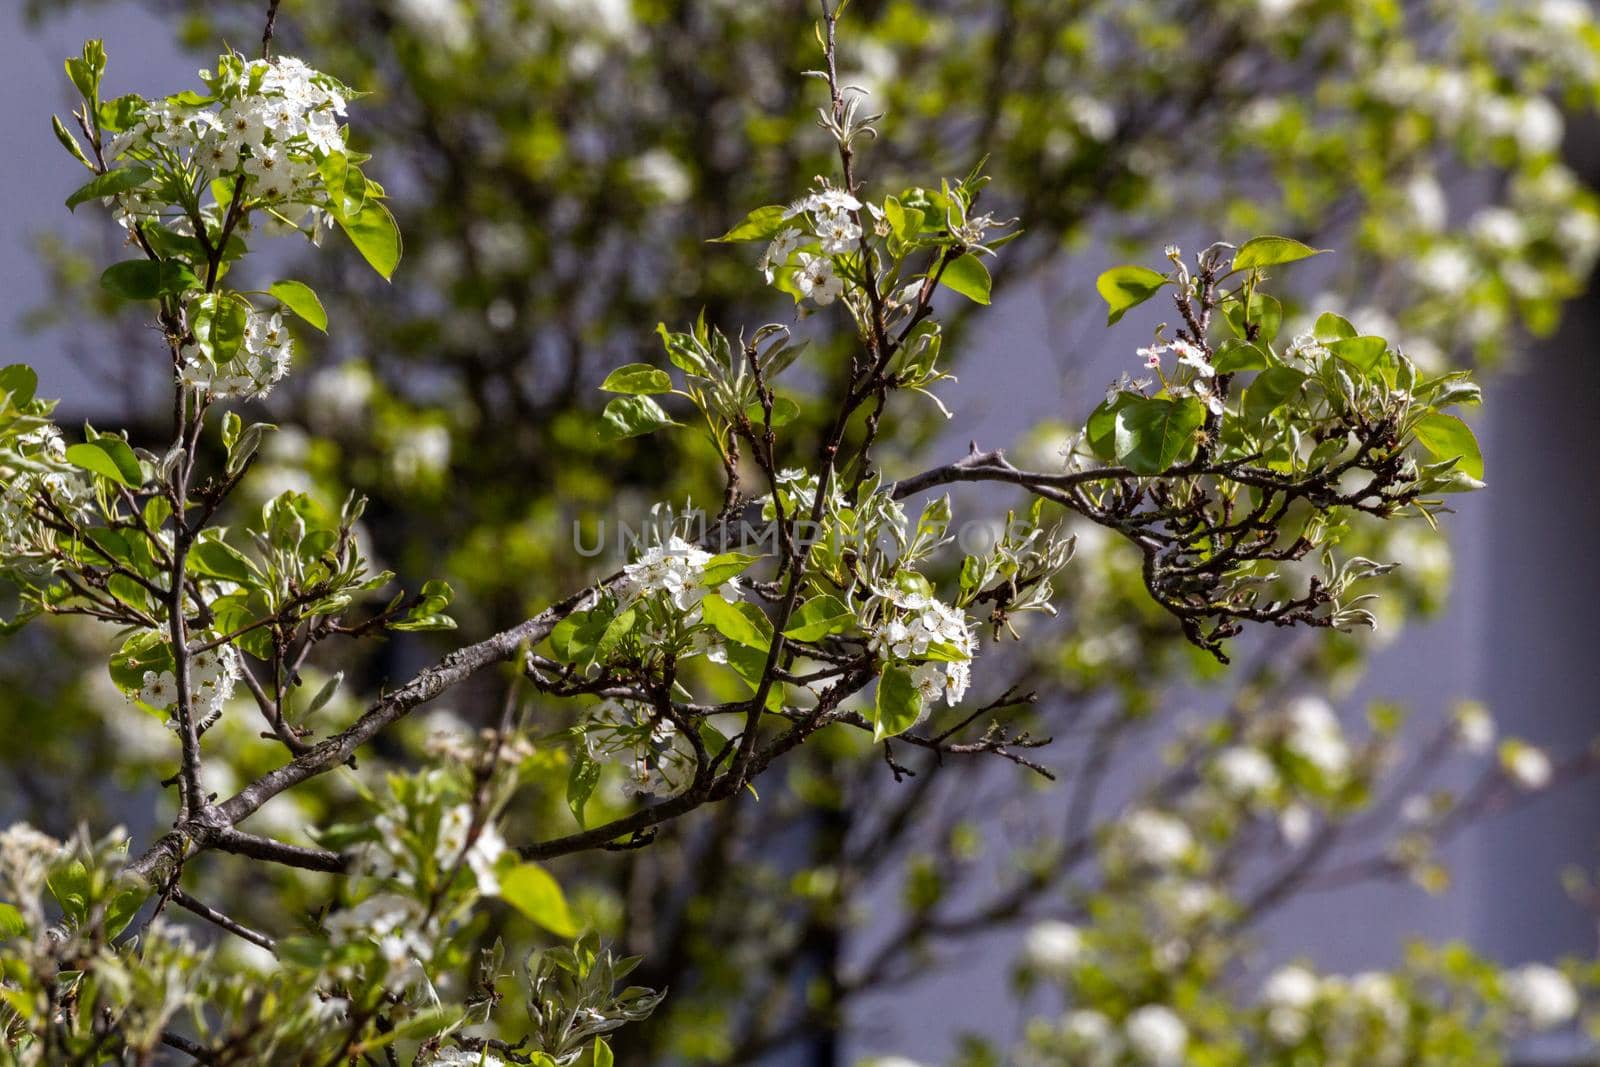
{"x":1271,"y":390}
{"x":898,"y":705}
{"x":144,"y":651}
{"x":616,"y":632}
{"x":750,"y":665}
{"x":301,"y":299}
{"x":1237,"y":354}
{"x":424,"y":623}
{"x":110,"y":183}
{"x":576,"y":637}
{"x":630,"y":416}
{"x":637,"y":379}
{"x":69,"y":886}
{"x":85,"y":72}
{"x":969,"y":277}
{"x":215,"y":559}
{"x":109,"y":457}
{"x":147,"y":279}
{"x":1126,"y":287}
{"x":784,"y":411}
{"x":221,"y":321}
{"x":376,"y":236}
{"x":1101,"y":430}
{"x":1266,"y":314}
{"x":1447,"y":437}
{"x":719,"y":569}
{"x":1331,"y":327}
{"x":1151,"y":434}
{"x":69,"y":142}
{"x":1270,"y":251}
{"x":819,"y":617}
{"x":906,"y":222}
{"x":731,"y":623}
{"x":581,"y":780}
{"x":1361,"y":352}
{"x":761,"y":224}
{"x":11,"y":922}
{"x":19,"y":382}
{"x":532,"y":890}
{"x":602,"y":1054}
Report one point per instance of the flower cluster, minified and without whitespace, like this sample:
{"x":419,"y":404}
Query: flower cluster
{"x":817,"y":228}
{"x":390,"y":857}
{"x":672,"y":571}
{"x":265,"y":124}
{"x":25,"y":857}
{"x":1152,"y":1035}
{"x":1312,"y":732}
{"x":656,"y":764}
{"x":1153,"y":839}
{"x":22,"y":534}
{"x":452,"y":741}
{"x":212,"y":675}
{"x":394,"y":923}
{"x":262,"y":361}
{"x":914,"y":625}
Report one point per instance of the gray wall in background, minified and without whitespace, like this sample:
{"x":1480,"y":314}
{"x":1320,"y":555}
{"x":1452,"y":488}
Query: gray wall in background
{"x":1521,"y":628}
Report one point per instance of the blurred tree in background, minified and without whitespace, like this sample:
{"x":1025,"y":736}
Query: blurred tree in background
{"x":557,"y":167}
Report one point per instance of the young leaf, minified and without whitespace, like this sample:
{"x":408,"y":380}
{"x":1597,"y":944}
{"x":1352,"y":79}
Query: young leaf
{"x":1237,"y":354}
{"x":1271,"y":390}
{"x":637,"y":379}
{"x":630,"y":416}
{"x":215,"y":559}
{"x":19,"y":382}
{"x":109,"y":457}
{"x":301,"y":299}
{"x":969,"y":277}
{"x":581,"y":780}
{"x":898,"y":705}
{"x":1126,"y":287}
{"x":1361,"y":352}
{"x":719,"y":569}
{"x":532,"y":890}
{"x":376,"y":236}
{"x":731,"y":623}
{"x":1152,"y":434}
{"x":1449,"y":438}
{"x":761,"y":224}
{"x":1270,"y":251}
{"x":1331,"y":327}
{"x":616,"y":632}
{"x":1101,"y":430}
{"x":819,"y":617}
{"x":1265,"y":314}
{"x":147,"y":279}
{"x":110,"y":183}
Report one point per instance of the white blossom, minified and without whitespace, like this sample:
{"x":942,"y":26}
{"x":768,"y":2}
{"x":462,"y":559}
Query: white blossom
{"x":1543,"y":994}
{"x":672,"y":569}
{"x":1528,"y":767}
{"x":1245,"y":772}
{"x":784,"y":244}
{"x":1092,"y":1036}
{"x":816,"y":279}
{"x":1156,"y":1036}
{"x":1290,"y":987}
{"x":1155,"y":838}
{"x":1474,"y":728}
{"x":1053,"y":947}
{"x":1314,"y":735}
